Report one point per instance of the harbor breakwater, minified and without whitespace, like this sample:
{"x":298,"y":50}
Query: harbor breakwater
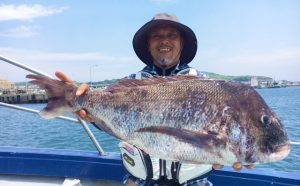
{"x":24,"y":98}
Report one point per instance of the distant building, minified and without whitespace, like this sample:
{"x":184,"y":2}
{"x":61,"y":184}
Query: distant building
{"x":297,"y":83}
{"x":7,"y":85}
{"x":254,"y":82}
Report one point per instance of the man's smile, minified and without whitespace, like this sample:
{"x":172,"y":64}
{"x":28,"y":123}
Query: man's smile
{"x":164,"y":49}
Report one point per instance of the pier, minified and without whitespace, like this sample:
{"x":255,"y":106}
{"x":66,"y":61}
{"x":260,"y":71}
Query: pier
{"x":24,"y":98}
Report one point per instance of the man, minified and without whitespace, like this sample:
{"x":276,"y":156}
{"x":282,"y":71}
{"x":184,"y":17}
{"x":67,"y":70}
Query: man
{"x":166,"y":47}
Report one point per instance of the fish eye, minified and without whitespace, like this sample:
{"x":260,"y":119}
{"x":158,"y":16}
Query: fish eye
{"x":266,"y":120}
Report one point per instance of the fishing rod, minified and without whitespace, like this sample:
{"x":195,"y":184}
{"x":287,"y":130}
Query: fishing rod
{"x":36,"y":111}
{"x":25,"y":67}
{"x":79,"y":120}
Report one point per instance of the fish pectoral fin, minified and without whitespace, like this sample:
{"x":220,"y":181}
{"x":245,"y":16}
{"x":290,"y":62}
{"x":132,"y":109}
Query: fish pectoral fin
{"x":195,"y":138}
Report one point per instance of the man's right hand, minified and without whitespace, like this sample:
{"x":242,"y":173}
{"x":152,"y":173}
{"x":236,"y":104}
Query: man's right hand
{"x":82,"y":89}
{"x":236,"y":166}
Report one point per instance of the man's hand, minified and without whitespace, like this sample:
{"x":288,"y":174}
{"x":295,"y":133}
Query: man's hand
{"x":82,"y":89}
{"x":236,"y":166}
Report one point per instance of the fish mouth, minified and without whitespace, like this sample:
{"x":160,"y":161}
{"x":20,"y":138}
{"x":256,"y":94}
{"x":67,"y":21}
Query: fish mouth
{"x":281,"y":152}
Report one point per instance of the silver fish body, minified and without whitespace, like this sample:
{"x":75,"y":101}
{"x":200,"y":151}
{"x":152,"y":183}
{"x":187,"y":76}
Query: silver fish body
{"x":181,"y":118}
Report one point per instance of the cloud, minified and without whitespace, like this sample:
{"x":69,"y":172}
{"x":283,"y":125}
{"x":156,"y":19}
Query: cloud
{"x":22,"y":31}
{"x":43,"y":56}
{"x":76,"y":65}
{"x":280,"y":55}
{"x":279,"y":64}
{"x":288,"y":54}
{"x":208,"y":53}
{"x":27,"y":12}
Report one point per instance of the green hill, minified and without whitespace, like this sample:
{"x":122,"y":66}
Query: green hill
{"x":235,"y":78}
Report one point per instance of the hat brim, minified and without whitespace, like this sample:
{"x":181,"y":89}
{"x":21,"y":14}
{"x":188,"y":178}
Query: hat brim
{"x":140,"y":41}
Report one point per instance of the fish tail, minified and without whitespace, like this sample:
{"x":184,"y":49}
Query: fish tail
{"x":61,"y":95}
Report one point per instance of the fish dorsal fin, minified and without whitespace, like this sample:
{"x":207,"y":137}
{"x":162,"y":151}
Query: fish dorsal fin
{"x":129,"y":83}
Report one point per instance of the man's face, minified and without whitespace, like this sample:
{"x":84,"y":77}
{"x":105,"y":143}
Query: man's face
{"x":165,"y":45}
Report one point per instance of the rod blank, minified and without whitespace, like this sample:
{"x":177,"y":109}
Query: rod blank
{"x":37,"y":112}
{"x":25,"y":67}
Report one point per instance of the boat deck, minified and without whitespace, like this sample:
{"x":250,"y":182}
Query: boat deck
{"x":32,"y":167}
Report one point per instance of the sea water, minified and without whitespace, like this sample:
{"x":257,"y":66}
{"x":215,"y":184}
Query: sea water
{"x":23,"y":129}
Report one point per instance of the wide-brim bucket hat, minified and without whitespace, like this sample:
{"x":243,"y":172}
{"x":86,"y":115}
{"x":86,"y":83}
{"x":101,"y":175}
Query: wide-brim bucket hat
{"x":140,"y":39}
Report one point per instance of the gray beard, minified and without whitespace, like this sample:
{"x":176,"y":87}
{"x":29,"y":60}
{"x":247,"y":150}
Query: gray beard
{"x":164,"y":63}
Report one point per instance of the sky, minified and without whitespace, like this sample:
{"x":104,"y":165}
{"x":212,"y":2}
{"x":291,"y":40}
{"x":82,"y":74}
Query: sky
{"x":92,"y":40}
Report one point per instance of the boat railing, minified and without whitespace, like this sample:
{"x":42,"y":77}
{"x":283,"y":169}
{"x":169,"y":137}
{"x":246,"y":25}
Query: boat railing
{"x":78,"y":120}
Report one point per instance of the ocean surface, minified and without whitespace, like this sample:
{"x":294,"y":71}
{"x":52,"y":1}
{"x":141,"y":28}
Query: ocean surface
{"x":23,"y":129}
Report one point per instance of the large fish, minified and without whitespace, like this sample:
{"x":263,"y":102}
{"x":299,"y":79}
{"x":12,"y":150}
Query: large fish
{"x":182,"y":118}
